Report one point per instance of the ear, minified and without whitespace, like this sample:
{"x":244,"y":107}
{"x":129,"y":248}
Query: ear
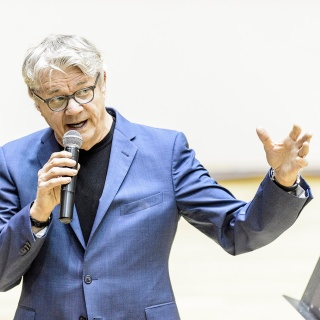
{"x":103,"y":86}
{"x":32,"y":97}
{"x":30,"y":93}
{"x":38,"y":108}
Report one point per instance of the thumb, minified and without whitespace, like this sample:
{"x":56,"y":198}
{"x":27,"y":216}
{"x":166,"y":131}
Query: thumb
{"x":264,"y":137}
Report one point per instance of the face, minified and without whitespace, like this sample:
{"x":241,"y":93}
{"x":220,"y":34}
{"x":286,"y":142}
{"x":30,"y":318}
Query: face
{"x":91,"y":119}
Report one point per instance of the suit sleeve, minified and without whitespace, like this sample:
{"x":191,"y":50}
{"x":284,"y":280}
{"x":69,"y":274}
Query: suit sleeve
{"x":237,"y":226}
{"x":18,"y":246}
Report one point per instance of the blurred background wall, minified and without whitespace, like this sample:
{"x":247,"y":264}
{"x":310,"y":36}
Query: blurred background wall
{"x":214,"y":69}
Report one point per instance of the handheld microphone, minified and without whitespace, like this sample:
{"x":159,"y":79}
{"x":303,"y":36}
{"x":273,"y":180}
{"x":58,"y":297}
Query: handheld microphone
{"x":72,"y":142}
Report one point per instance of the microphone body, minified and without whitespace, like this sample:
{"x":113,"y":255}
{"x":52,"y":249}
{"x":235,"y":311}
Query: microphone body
{"x":72,"y":141}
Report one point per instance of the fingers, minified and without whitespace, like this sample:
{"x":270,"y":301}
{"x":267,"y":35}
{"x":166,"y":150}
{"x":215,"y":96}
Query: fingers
{"x":54,"y":177}
{"x":294,"y":135}
{"x":304,"y":150}
{"x":57,"y":171}
{"x":303,"y":144}
{"x":302,"y":162}
{"x":301,"y":156}
{"x":295,"y":132}
{"x":59,"y":160}
{"x":305,"y":139}
{"x":264,"y":137}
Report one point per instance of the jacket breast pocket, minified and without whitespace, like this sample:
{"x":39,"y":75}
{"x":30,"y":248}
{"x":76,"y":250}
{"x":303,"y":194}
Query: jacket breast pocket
{"x":141,"y":204}
{"x":24,"y":313}
{"x":163,"y":311}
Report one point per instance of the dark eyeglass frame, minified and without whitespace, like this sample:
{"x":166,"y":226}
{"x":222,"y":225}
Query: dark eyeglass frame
{"x":68,"y":97}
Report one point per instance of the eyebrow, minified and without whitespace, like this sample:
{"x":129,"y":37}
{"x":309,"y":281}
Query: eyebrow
{"x":80,"y":83}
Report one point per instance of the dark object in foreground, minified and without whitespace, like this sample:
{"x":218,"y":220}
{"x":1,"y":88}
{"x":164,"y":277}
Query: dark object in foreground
{"x":309,"y":305}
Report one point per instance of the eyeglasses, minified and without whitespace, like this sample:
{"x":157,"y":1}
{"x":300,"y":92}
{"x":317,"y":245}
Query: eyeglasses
{"x":81,"y":96}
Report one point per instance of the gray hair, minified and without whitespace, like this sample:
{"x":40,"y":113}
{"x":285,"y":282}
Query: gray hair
{"x":59,"y":52}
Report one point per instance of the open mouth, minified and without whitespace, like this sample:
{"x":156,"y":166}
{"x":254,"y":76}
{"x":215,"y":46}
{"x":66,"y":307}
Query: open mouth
{"x":77,"y":125}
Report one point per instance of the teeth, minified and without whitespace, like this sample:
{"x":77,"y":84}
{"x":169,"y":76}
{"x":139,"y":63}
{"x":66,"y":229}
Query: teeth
{"x":76,"y":125}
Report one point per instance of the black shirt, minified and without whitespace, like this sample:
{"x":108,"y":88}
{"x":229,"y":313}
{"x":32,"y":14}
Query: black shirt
{"x":90,"y":181}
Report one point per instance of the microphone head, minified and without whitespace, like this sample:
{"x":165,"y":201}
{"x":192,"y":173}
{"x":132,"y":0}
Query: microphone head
{"x":72,"y":138}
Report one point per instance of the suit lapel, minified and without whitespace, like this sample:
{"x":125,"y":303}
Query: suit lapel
{"x":49,"y":145}
{"x":122,"y":154}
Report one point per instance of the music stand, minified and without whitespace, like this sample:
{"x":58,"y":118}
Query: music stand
{"x":309,"y":305}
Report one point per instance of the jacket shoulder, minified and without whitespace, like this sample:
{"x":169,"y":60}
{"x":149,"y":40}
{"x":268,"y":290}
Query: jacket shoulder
{"x":33,"y":137}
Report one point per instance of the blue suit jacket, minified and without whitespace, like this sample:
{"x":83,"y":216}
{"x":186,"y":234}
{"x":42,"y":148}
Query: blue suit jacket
{"x":122,"y":273}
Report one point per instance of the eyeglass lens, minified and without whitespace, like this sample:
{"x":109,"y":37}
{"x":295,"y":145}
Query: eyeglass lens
{"x":84,"y":95}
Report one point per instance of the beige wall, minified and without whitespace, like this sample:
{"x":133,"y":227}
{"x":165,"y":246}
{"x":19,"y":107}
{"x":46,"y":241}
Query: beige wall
{"x":213,"y":69}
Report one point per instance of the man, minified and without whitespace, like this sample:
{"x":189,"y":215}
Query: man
{"x":133,"y":185}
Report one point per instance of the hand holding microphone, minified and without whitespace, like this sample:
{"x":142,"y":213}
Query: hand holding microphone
{"x":56,"y":181}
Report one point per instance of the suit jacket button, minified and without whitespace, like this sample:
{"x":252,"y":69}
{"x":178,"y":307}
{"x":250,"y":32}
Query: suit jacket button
{"x":25,"y":249}
{"x":87,"y":279}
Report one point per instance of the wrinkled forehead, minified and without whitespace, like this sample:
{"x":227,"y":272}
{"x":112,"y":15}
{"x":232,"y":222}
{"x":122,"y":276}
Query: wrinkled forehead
{"x":52,"y":80}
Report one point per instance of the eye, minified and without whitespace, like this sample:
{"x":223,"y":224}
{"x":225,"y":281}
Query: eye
{"x":83,"y":93}
{"x":57,"y":100}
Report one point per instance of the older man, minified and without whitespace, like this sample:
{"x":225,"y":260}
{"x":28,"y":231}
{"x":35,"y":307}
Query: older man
{"x":133,"y":184}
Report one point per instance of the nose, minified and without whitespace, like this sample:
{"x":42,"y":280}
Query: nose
{"x":73,"y":107}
